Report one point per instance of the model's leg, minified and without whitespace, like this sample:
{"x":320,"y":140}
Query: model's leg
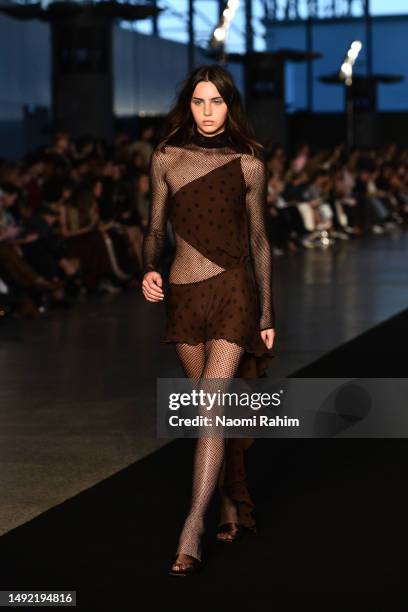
{"x":228,"y":508}
{"x":222,"y":361}
{"x":192,"y":358}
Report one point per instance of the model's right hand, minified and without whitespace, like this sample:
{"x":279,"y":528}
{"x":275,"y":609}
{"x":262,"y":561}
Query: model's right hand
{"x":152,"y":287}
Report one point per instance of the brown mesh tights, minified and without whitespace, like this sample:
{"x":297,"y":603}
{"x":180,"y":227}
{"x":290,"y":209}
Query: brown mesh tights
{"x":214,"y":359}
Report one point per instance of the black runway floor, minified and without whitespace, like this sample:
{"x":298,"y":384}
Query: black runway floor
{"x":332,"y":517}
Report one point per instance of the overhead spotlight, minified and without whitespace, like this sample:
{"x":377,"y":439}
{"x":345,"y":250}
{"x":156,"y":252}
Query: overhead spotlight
{"x":357,"y":45}
{"x":346,"y":75}
{"x":346,"y":69}
{"x":219,"y":35}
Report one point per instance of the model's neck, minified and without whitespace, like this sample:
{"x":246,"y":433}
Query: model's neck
{"x":210,"y":142}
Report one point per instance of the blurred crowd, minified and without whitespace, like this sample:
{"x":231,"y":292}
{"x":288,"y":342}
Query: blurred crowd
{"x":318,"y":198}
{"x":72,"y":220}
{"x":73,"y":216}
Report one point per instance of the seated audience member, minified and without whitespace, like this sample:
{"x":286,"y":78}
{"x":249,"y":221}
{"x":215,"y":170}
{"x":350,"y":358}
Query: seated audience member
{"x":302,"y":218}
{"x":16,"y":271}
{"x":42,"y":247}
{"x":369,"y":217}
{"x":79,"y":225}
{"x":126,"y":201}
{"x":278,"y":223}
{"x":343,"y":204}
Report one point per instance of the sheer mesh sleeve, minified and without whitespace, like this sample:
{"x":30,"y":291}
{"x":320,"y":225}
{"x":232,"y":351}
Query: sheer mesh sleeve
{"x":155,"y":238}
{"x":255,"y":177}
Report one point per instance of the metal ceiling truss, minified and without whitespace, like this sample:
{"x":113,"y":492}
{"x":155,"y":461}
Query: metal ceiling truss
{"x":288,"y":10}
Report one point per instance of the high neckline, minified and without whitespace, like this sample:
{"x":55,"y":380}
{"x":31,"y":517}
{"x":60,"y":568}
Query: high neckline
{"x":210,"y":142}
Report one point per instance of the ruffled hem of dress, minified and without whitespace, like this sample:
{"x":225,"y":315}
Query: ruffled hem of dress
{"x":254,"y":362}
{"x":258,"y":351}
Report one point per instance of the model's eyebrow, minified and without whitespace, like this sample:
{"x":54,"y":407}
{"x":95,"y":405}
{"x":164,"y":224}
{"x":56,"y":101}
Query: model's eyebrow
{"x":216,"y":98}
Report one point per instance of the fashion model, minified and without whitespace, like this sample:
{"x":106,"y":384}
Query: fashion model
{"x":208,"y":178}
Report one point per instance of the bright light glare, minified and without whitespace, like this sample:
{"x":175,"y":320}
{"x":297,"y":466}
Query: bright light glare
{"x":219,"y":34}
{"x":357,"y":46}
{"x":346,"y":69}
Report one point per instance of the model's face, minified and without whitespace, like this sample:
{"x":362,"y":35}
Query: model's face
{"x":97,"y":190}
{"x":62,"y":144}
{"x":9,"y":199}
{"x":143,"y":184}
{"x":147,"y":133}
{"x":208,"y":108}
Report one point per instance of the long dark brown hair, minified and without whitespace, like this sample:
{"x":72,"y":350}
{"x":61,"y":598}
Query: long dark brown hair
{"x":179,"y":124}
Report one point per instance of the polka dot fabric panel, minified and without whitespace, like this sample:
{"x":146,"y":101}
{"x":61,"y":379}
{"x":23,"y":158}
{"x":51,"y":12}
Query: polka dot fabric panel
{"x":209,"y":213}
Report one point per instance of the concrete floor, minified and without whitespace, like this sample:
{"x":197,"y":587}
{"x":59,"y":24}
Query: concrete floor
{"x":78,"y":388}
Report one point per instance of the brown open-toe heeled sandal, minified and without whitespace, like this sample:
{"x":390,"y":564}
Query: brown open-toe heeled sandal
{"x":234,"y":529}
{"x":186,"y":568}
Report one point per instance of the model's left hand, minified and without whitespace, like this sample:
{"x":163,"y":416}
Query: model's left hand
{"x":268,"y":336}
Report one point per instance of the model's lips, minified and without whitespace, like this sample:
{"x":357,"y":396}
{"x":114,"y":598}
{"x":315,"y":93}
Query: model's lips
{"x":208,"y":122}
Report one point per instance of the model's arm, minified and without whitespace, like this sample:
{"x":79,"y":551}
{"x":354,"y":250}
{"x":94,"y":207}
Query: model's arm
{"x":155,"y":238}
{"x":255,"y":176}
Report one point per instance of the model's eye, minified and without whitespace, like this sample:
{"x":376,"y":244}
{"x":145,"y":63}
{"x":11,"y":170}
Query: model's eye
{"x":197,"y":102}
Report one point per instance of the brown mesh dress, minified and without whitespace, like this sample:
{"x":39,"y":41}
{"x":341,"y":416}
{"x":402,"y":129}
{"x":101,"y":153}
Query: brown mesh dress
{"x":220,"y":291}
